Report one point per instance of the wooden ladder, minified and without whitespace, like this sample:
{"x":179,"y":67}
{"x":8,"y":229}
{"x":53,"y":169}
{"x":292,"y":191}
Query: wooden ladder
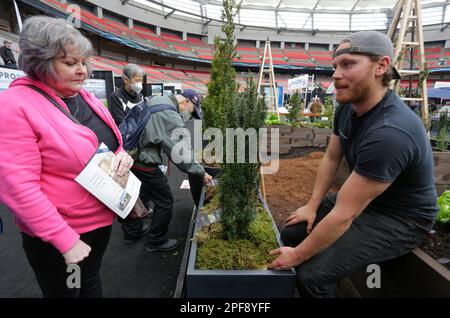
{"x":408,"y":13}
{"x":273,"y":97}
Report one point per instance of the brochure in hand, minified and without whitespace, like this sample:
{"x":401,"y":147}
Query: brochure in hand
{"x":99,"y":178}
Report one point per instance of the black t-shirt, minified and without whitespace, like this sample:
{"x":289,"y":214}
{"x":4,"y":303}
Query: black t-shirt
{"x":87,"y":117}
{"x":389,"y":143}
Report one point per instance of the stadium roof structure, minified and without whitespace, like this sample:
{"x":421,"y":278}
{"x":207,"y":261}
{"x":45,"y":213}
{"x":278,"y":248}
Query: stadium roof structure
{"x":306,"y":15}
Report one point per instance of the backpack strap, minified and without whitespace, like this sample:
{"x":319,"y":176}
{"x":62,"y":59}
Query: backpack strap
{"x":153,"y":110}
{"x":162,"y":107}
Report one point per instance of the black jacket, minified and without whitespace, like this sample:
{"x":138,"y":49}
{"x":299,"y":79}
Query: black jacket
{"x":122,"y":102}
{"x":7,"y":55}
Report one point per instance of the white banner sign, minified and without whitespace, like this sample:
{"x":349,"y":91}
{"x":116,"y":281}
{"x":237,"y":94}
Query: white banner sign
{"x":298,"y":82}
{"x":96,"y":87}
{"x":7,"y":76}
{"x":441,"y":84}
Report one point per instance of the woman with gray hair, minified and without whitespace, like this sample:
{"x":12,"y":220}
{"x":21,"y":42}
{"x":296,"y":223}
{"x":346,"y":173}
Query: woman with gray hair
{"x":53,"y":128}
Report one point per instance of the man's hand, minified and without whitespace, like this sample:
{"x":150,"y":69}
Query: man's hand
{"x":207,"y":178}
{"x":287,"y":258}
{"x":122,"y":164}
{"x":77,"y":253}
{"x":305,"y":213}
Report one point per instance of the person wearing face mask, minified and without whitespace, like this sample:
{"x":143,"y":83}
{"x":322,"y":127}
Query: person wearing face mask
{"x":129,"y":95}
{"x":122,"y":101}
{"x":165,"y":132}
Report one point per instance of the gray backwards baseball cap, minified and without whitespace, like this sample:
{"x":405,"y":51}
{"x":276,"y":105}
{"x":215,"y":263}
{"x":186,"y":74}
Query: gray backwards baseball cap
{"x":372,"y":43}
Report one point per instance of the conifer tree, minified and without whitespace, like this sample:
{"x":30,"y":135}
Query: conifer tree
{"x":238,"y":182}
{"x":222,"y":84}
{"x":294,"y":108}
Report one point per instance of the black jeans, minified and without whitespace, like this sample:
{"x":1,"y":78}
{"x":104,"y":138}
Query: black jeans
{"x":155,"y":188}
{"x":51,"y":270}
{"x":374,"y":236}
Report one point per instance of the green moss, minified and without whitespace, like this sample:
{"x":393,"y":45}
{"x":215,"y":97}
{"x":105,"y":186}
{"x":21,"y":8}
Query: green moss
{"x":211,"y":200}
{"x":253,"y":253}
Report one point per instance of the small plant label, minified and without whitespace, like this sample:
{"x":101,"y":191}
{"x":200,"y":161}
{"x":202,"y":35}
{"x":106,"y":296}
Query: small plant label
{"x":207,"y":219}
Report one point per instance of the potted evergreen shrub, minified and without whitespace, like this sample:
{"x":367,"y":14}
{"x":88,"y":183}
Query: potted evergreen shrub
{"x":229,"y":257}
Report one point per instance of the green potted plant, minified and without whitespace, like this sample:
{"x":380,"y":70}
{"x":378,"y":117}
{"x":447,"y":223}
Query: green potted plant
{"x":229,"y":254}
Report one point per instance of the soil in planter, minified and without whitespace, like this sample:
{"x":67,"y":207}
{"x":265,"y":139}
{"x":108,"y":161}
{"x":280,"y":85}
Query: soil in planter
{"x":437,"y":244}
{"x":219,"y":254}
{"x":291,"y":188}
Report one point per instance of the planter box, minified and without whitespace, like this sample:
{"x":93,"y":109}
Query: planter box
{"x":323,"y":131}
{"x":423,"y":274}
{"x":290,"y":137}
{"x":441,"y":170}
{"x":301,"y":143}
{"x":321,"y":143}
{"x":302,"y":133}
{"x":321,"y":136}
{"x":237,"y":283}
{"x":283,"y":129}
{"x":284,"y":141}
{"x":414,"y":274}
{"x":302,"y":137}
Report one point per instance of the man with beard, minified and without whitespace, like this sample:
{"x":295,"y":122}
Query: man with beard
{"x":388,"y":203}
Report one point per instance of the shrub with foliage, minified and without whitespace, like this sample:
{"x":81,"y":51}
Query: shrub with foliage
{"x":442,"y":138}
{"x":222,"y":84}
{"x":294,"y":108}
{"x":238,"y":182}
{"x":329,"y":111}
{"x":444,"y":208}
{"x":272,"y":119}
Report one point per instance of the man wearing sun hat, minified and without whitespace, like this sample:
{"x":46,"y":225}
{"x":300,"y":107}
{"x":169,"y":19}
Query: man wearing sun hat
{"x":165,"y":132}
{"x":388,"y":203}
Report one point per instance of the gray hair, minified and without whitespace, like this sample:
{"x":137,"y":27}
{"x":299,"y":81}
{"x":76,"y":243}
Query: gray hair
{"x":41,"y":39}
{"x":131,"y":70}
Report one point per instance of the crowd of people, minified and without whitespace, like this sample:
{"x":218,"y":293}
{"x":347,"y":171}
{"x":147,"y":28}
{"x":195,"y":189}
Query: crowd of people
{"x":54,"y":126}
